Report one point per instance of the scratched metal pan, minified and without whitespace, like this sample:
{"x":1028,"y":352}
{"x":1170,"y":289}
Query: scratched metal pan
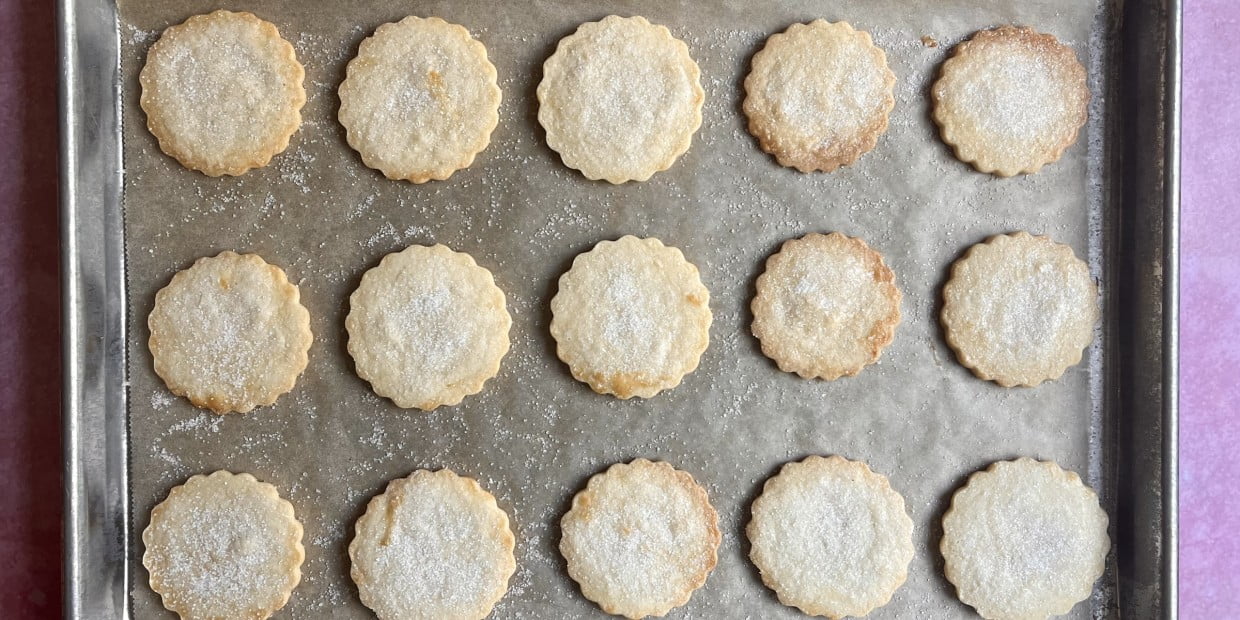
{"x":131,"y":217}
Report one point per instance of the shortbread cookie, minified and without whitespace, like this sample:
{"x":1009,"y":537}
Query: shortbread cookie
{"x":1010,"y":100}
{"x":620,"y":99}
{"x":1024,"y":540}
{"x":229,"y":333}
{"x":631,"y":317}
{"x":223,"y":546}
{"x":427,"y":327}
{"x":818,"y":95}
{"x":222,"y":92}
{"x":831,"y":537}
{"x":826,"y":306}
{"x":432,"y":546}
{"x":1019,"y":309}
{"x":420,"y":100}
{"x":640,"y":538}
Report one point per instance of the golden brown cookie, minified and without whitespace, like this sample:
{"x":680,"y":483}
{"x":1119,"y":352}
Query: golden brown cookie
{"x":831,"y":537}
{"x":620,"y":99}
{"x":427,"y":327}
{"x":230,"y":333}
{"x":640,"y":538}
{"x":222,"y":92}
{"x":826,"y":306}
{"x":1019,"y":309}
{"x":420,"y":100}
{"x":631,"y":318}
{"x":1010,"y":100}
{"x":432,"y":546}
{"x":223,"y":546}
{"x":818,"y":95}
{"x":1024,"y":540}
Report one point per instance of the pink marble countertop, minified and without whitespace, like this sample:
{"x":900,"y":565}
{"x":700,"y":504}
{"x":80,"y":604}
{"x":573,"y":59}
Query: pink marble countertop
{"x":30,"y":492}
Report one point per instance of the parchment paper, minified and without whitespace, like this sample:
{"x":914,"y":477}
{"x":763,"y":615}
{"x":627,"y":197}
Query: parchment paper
{"x":534,"y":435}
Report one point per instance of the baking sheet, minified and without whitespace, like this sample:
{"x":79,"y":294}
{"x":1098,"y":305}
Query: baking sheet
{"x":534,"y":435}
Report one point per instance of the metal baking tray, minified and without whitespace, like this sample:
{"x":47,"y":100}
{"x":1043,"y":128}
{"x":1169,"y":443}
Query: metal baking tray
{"x":1126,"y":448}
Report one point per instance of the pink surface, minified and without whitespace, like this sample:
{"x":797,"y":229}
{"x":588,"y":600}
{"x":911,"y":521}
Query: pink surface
{"x":1210,"y":313}
{"x":29,"y":339}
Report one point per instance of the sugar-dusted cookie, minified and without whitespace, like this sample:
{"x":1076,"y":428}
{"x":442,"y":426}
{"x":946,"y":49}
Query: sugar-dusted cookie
{"x":432,"y":546}
{"x":420,"y":100}
{"x":1019,"y":309}
{"x":631,"y":318}
{"x":223,"y":546}
{"x":427,"y":327}
{"x":1024,"y":540}
{"x":831,"y":537}
{"x":640,"y":538}
{"x":222,"y":92}
{"x":1010,"y":100}
{"x":818,"y":95}
{"x":229,"y":333}
{"x":620,"y":99}
{"x":826,"y":306}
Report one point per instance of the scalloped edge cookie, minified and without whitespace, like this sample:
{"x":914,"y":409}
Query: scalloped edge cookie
{"x":211,"y":491}
{"x":979,"y":543}
{"x":804,"y":582}
{"x":375,"y":529}
{"x":615,"y":349}
{"x":390,"y":365}
{"x":986,"y":138}
{"x":780,"y":104}
{"x":784,"y":303}
{"x":189,"y":312}
{"x":625,"y":486}
{"x":560,"y":113}
{"x":978,"y":307}
{"x":467,"y":125}
{"x":178,"y":41}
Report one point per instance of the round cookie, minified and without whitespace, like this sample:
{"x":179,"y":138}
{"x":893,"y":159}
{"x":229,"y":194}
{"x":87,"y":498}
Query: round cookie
{"x":427,"y":327}
{"x":831,"y":537}
{"x":1024,"y":539}
{"x":826,"y":306}
{"x":432,"y":546}
{"x":229,"y":333}
{"x":818,"y":95}
{"x":222,"y":92}
{"x":1010,"y":100}
{"x":640,"y":538}
{"x":420,"y":100}
{"x":223,"y":546}
{"x":620,"y":99}
{"x":1019,"y":309}
{"x":631,"y":317}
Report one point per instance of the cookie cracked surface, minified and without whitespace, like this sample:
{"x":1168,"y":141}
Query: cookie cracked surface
{"x":640,"y":538}
{"x":818,"y":95}
{"x":427,"y":327}
{"x":223,"y":546}
{"x":222,"y":92}
{"x":420,"y":100}
{"x":230,"y":333}
{"x":620,"y":99}
{"x":631,"y":317}
{"x":1019,"y":309}
{"x":432,"y":546}
{"x":1010,"y":100}
{"x":1024,"y":540}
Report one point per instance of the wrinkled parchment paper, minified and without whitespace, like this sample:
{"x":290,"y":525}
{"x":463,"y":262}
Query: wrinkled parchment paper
{"x":534,"y":435}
